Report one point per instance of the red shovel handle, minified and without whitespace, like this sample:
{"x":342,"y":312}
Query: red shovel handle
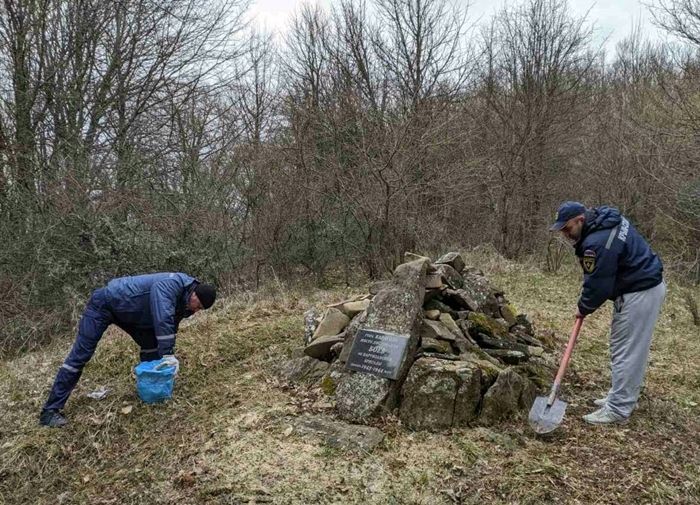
{"x":565,"y":360}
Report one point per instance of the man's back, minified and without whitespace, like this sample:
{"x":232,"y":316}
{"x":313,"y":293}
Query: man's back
{"x":133,"y":299}
{"x":611,"y":245}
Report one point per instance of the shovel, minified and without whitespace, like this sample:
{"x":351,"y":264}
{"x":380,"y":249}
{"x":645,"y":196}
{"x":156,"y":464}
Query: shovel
{"x":547,"y":412}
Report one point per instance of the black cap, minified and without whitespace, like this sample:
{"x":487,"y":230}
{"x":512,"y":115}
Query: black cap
{"x":206,"y":294}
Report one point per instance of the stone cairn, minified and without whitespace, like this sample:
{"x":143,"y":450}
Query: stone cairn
{"x":470,"y":358}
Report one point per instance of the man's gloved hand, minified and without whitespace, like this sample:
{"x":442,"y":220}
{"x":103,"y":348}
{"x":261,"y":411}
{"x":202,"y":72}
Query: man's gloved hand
{"x":171,"y":360}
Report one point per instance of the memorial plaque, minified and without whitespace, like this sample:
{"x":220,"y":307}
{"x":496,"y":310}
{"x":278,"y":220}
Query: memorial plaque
{"x":377,"y":353}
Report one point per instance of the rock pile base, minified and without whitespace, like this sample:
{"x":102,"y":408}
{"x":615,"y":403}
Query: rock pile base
{"x":471,"y":358}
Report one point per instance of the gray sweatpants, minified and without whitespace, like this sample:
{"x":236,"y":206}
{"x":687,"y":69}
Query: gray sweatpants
{"x":632,"y":326}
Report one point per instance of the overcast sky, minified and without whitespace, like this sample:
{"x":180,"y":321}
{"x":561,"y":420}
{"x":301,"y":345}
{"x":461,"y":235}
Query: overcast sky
{"x":613,"y":19}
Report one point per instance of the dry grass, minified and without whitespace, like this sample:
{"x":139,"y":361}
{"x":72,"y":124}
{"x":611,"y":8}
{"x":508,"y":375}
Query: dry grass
{"x":224,"y":438}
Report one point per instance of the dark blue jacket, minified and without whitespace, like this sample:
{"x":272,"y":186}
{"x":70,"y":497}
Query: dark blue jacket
{"x":615,"y":259}
{"x":151,"y":302}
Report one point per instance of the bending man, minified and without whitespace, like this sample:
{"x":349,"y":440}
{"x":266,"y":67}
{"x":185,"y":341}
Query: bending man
{"x":148,"y":307}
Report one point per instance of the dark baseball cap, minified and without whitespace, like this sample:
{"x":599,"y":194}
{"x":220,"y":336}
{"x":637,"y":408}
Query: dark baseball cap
{"x":567,"y":210}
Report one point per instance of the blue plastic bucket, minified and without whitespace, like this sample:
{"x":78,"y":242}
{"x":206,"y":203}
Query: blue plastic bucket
{"x":154,"y":381}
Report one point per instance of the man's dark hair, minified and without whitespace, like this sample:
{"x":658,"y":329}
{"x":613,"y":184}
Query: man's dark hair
{"x":206,"y":294}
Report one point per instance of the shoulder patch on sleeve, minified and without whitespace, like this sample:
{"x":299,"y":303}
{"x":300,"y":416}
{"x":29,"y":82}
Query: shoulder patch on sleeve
{"x":588,"y":261}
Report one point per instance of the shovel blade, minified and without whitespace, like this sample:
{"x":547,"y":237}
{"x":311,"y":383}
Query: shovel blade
{"x":545,"y":418}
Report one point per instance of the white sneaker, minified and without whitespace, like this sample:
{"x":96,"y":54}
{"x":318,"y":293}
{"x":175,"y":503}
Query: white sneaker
{"x":601,"y":402}
{"x":604,"y":416}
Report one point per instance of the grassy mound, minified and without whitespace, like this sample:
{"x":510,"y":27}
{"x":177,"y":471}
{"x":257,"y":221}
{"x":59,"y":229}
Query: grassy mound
{"x":226,"y":436}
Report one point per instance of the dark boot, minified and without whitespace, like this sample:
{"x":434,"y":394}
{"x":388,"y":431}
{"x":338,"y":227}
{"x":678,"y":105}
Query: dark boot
{"x":52,"y":419}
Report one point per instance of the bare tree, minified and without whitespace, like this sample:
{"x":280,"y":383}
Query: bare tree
{"x":422,"y":47}
{"x":536,"y":92}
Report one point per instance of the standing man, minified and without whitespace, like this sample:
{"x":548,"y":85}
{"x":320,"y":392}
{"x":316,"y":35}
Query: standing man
{"x":148,"y":307}
{"x":618,"y":265}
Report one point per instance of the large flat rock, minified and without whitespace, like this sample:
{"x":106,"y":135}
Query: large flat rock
{"x":395,"y":309}
{"x":304,"y":369}
{"x":440,"y":394}
{"x":338,"y":434}
{"x":320,"y":348}
{"x":453,"y":259}
{"x":510,"y":394}
{"x":333,"y":322}
{"x":480,"y":291}
{"x":361,"y":396}
{"x":450,"y":275}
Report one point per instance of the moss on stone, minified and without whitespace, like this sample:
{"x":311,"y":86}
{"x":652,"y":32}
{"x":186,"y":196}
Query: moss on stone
{"x":328,"y":385}
{"x":482,"y":360}
{"x":488,"y":325}
{"x":540,"y":375}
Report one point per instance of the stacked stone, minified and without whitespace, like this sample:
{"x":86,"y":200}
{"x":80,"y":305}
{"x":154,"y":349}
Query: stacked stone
{"x":471,"y":358}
